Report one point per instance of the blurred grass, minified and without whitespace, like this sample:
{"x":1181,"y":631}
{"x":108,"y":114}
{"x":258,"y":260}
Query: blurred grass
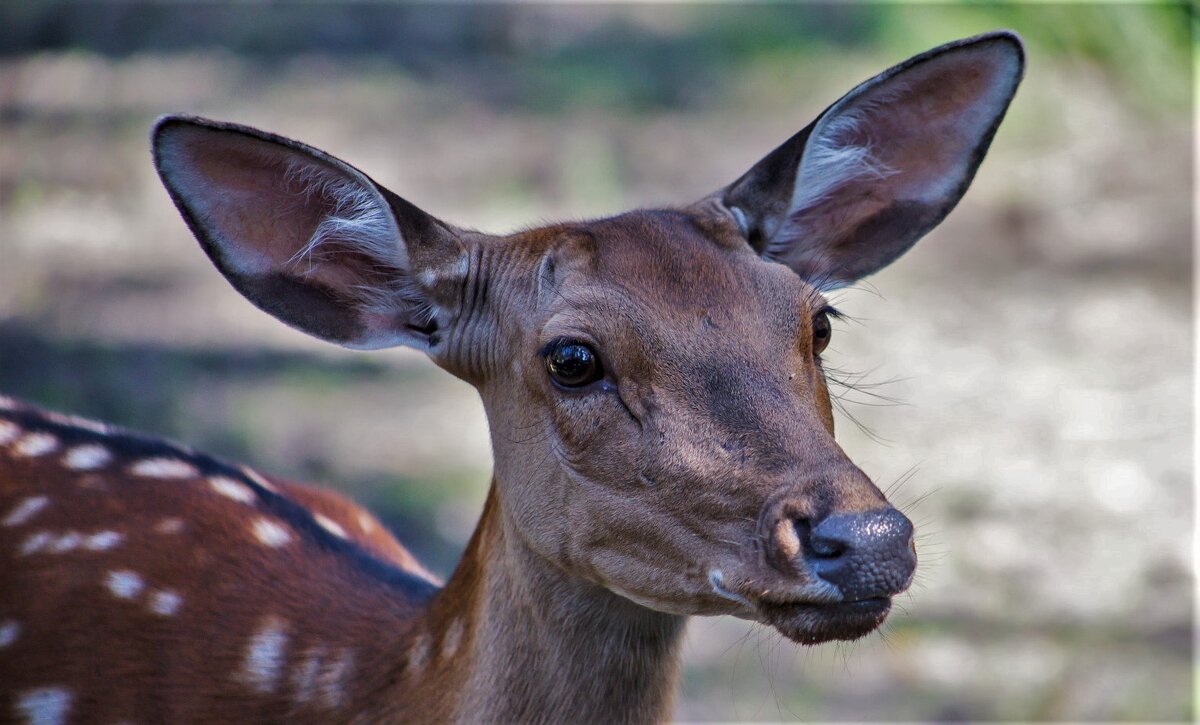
{"x":1041,"y":336}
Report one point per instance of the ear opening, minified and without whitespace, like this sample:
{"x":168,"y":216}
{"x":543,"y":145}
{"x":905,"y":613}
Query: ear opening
{"x":306,"y":237}
{"x":883,"y":165}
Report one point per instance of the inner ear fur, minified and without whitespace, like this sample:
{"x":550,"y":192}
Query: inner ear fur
{"x":305,"y":236}
{"x":883,"y":165}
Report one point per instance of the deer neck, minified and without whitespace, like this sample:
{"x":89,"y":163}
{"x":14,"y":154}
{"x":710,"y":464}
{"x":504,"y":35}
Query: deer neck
{"x":527,"y":641}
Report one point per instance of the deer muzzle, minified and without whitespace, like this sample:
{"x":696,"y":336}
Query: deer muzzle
{"x":859,"y":559}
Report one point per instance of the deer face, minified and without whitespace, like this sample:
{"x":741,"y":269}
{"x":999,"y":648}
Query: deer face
{"x":665,"y":430}
{"x":660,"y":419}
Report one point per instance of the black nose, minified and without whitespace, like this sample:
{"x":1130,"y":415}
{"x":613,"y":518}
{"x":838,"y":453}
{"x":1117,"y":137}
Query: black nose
{"x":864,"y":554}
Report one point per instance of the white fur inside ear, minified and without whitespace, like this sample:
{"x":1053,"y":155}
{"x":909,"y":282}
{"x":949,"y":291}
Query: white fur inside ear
{"x":361,"y":220}
{"x":841,"y":149}
{"x":360,"y":217}
{"x":830,"y":160}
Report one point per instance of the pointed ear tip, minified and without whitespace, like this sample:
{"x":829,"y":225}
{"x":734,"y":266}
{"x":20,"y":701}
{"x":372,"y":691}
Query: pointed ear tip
{"x":1002,"y":50}
{"x":167,"y":127}
{"x":165,"y":132}
{"x":1011,"y":39}
{"x":176,"y":137}
{"x":160,"y":129}
{"x":1007,"y":42}
{"x":168,"y":122}
{"x":161,"y":137}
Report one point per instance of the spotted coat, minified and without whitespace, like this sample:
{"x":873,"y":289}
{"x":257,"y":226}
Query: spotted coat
{"x":197,"y":567}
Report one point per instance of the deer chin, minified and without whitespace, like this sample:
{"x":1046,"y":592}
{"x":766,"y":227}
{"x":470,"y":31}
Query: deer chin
{"x":817,"y":623}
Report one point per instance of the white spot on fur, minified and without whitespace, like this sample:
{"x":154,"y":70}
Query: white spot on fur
{"x":34,"y":445}
{"x":330,"y":525}
{"x":25,"y":510}
{"x":163,"y":468}
{"x":366,"y":522}
{"x":9,"y":631}
{"x":69,"y":541}
{"x":271,"y":534}
{"x":304,"y":677}
{"x":124,"y":584}
{"x":87,"y":457}
{"x":331,"y":682}
{"x":103,"y":541}
{"x":323,"y":676}
{"x":452,"y":639}
{"x":418,"y":656}
{"x":36,"y":542}
{"x":169,"y":525}
{"x":265,"y":655}
{"x":230,"y":488}
{"x":165,"y":602}
{"x":257,"y":478}
{"x":45,"y":705}
{"x":8,"y":431}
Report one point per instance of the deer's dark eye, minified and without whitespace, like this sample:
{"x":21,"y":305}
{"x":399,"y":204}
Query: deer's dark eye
{"x":573,"y":364}
{"x":822,"y":331}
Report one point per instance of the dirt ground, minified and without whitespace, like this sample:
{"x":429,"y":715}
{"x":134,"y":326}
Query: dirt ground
{"x":1037,"y":348}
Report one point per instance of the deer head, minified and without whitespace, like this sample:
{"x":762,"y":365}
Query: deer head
{"x":653,"y":381}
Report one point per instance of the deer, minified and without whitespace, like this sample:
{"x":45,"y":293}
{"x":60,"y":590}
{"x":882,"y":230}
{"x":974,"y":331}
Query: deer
{"x":661,"y":425}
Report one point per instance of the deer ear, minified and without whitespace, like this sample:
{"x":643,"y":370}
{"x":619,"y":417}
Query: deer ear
{"x":881,"y":167}
{"x":308,"y":238}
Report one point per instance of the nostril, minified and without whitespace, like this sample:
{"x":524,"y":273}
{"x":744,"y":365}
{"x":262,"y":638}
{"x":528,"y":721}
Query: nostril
{"x":825,"y":547}
{"x":821,"y":543}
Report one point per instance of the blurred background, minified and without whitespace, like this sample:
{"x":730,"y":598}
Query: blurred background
{"x":1023,"y":375}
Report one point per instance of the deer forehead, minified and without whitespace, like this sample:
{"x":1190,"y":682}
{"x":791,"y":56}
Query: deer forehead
{"x":666,"y":272}
{"x":646,"y":252}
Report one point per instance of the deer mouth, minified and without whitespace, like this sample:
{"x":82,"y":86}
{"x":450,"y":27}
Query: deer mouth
{"x":812,"y":614}
{"x":815,"y":623}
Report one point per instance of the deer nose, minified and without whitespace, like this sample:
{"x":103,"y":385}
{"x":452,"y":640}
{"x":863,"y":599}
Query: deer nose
{"x":864,"y":554}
